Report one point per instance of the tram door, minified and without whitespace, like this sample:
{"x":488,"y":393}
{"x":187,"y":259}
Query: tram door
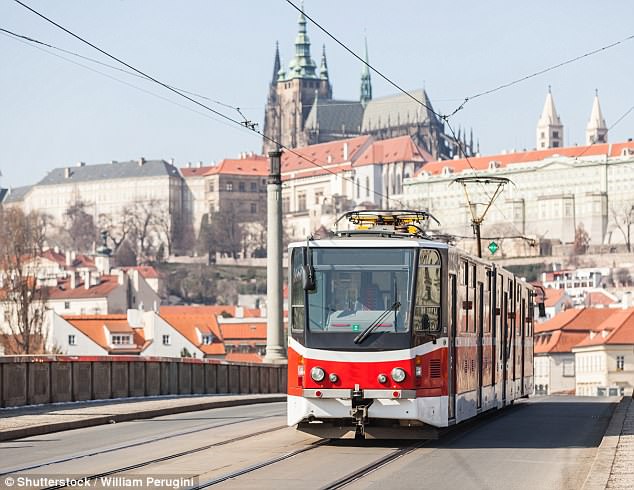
{"x":505,"y":333}
{"x":453,"y":320}
{"x":479,"y":336}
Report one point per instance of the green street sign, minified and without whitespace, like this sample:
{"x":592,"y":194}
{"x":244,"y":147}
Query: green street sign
{"x":493,"y":247}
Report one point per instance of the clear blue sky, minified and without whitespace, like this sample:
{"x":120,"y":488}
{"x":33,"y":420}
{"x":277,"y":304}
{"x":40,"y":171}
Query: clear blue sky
{"x":54,"y":113}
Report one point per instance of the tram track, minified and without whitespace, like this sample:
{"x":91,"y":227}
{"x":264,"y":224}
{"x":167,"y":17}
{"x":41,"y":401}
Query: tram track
{"x":168,"y":457}
{"x":375,"y":465}
{"x":133,"y":445}
{"x":257,"y":466}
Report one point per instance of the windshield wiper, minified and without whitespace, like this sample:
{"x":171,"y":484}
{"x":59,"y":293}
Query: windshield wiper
{"x":370,"y":328}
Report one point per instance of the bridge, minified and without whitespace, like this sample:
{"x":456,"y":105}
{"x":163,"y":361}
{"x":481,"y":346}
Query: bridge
{"x":198,"y":424}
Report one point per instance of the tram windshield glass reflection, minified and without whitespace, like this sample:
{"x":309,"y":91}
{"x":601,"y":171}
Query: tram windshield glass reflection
{"x":359,"y":287}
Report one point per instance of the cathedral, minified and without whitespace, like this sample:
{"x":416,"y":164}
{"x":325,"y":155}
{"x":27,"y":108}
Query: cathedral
{"x":301,"y":111}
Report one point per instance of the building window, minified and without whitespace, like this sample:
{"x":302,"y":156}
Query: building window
{"x":286,"y":207}
{"x":254,"y":187}
{"x":568,"y":368}
{"x":254,"y":208}
{"x":67,"y":305}
{"x":167,"y":340}
{"x":208,"y":339}
{"x":319,"y":196}
{"x":367,"y":187}
{"x":241,"y":187}
{"x":121,"y":340}
{"x":555,"y":134}
{"x":210,"y":187}
{"x":620,"y":363}
{"x":72,"y":340}
{"x":229,"y":186}
{"x":301,"y":201}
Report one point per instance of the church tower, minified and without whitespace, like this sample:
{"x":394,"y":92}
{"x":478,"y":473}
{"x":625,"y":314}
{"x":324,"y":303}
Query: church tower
{"x":550,"y":131}
{"x":366,"y":84}
{"x":292,"y":93}
{"x":596,"y":131}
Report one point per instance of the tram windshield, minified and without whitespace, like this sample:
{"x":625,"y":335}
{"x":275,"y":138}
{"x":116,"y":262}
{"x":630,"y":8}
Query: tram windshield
{"x":361,"y":289}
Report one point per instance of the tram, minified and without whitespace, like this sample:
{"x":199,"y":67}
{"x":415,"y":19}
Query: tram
{"x":395,"y":334}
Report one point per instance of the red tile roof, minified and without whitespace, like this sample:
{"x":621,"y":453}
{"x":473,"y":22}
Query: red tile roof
{"x":323,"y":155}
{"x":583,"y":319}
{"x":63,"y":291}
{"x":553,"y":296}
{"x":619,"y":329}
{"x":195,"y":171}
{"x":96,"y":326}
{"x":557,"y":341}
{"x":243,"y":357}
{"x":242,"y":331}
{"x":599,"y":298}
{"x":482,"y":163}
{"x":401,"y":149}
{"x":189,"y":320}
{"x":255,"y":165}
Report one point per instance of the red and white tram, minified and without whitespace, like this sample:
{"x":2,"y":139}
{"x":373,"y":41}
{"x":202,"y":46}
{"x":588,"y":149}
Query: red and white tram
{"x":394,"y":334}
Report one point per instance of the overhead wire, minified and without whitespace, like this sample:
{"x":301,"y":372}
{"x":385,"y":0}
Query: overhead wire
{"x":249,"y":125}
{"x":444,"y":118}
{"x":540,"y":72}
{"x":384,"y":77}
{"x":136,"y":87}
{"x":623,"y":116}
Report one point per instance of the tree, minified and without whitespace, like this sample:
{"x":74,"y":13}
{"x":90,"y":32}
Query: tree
{"x":623,"y":218}
{"x":79,"y":226}
{"x":24,"y":301}
{"x":220,"y":232}
{"x":117,"y":227}
{"x":582,"y":240}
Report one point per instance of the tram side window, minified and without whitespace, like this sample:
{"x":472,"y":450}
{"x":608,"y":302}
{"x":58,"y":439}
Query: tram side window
{"x":298,"y":318}
{"x":428,"y":292}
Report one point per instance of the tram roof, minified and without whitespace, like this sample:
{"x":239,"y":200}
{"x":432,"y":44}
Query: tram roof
{"x":371,"y":242}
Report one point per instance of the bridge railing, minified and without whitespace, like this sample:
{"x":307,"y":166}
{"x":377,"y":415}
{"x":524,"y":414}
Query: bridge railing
{"x":32,"y":380}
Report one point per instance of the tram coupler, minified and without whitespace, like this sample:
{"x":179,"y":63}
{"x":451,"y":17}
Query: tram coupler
{"x":359,"y":412}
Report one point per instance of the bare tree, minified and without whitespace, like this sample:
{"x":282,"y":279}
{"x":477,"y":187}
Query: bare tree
{"x":582,"y":240}
{"x":79,"y":226}
{"x":623,"y":218}
{"x":117,"y":227}
{"x":221,"y":232}
{"x":24,"y":301}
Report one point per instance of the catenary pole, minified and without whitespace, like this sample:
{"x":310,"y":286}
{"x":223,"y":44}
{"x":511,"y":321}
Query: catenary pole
{"x":275,"y":352}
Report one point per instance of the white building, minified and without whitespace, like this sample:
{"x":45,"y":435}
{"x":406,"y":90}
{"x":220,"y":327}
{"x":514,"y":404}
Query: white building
{"x":554,"y":190}
{"x":331,"y":178}
{"x":605,"y":359}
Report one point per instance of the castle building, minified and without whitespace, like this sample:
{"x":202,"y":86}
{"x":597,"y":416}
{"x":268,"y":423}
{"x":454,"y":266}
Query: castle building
{"x":301,"y":111}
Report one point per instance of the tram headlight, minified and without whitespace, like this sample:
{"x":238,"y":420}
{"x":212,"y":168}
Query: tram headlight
{"x":318,"y":374}
{"x":333,"y":377}
{"x":398,"y":375}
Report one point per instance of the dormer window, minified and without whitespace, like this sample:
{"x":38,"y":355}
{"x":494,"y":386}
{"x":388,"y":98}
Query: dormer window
{"x":447,"y":170}
{"x":121,"y":339}
{"x":207,"y":339}
{"x":493,"y":164}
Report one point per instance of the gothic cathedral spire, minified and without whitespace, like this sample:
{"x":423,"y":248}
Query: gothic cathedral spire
{"x":276,"y":63}
{"x":596,"y":131}
{"x":366,"y":85}
{"x":302,"y":66}
{"x":323,"y":68}
{"x":550,"y":131}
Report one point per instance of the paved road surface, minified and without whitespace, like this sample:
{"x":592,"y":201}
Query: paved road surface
{"x":545,"y":442}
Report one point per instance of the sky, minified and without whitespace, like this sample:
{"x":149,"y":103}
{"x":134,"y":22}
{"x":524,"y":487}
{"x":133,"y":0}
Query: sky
{"x":54,"y":113}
